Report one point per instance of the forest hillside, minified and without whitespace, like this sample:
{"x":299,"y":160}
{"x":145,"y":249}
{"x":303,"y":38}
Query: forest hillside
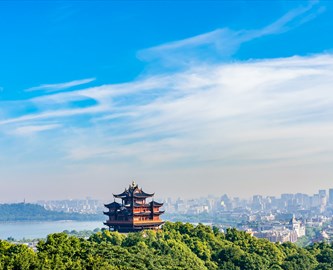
{"x":176,"y":246}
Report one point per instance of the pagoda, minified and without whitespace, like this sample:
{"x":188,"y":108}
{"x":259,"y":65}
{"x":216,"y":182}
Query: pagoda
{"x":134,"y":213}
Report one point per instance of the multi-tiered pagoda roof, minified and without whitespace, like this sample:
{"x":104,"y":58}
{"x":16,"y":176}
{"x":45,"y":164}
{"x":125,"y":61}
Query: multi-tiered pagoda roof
{"x":133,"y":213}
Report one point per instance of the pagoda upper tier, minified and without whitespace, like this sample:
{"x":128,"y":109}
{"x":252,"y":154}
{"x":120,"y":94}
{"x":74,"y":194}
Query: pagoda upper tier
{"x":133,"y":191}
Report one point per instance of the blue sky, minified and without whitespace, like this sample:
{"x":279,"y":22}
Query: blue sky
{"x":223,"y":96}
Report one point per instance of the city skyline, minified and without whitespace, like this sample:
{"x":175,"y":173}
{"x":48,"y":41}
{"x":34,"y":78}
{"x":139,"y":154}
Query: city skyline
{"x":94,"y":95}
{"x":328,"y":195}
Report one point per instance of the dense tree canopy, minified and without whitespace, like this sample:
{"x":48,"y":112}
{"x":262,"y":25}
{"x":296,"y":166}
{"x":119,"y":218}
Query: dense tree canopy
{"x":176,"y":246}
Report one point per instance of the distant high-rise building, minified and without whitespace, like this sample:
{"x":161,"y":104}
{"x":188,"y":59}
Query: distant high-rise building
{"x":257,"y":202}
{"x":322,"y":199}
{"x":330,"y":193}
{"x":315,"y":200}
{"x":225,"y":202}
{"x":287,"y":200}
{"x":287,"y":197}
{"x":322,"y":193}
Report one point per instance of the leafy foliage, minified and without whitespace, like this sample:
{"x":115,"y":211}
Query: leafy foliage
{"x":177,"y":246}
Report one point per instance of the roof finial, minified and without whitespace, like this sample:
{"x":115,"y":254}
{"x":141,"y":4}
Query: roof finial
{"x":133,"y":184}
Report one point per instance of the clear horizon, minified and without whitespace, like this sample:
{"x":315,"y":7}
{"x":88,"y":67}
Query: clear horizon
{"x":186,"y":98}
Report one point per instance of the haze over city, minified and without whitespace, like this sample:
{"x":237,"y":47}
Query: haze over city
{"x":187,"y":99}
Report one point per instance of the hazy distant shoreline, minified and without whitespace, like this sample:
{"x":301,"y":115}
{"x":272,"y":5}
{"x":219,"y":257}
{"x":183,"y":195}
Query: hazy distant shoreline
{"x":43,"y":221}
{"x":22,"y":212}
{"x":40,"y":229}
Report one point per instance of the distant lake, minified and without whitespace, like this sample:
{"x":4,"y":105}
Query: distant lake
{"x":31,"y":230}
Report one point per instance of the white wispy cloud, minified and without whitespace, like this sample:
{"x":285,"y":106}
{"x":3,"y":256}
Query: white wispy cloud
{"x":223,"y":43}
{"x":289,"y":21}
{"x":203,"y":120}
{"x":32,"y":129}
{"x":271,"y":110}
{"x":60,"y":86}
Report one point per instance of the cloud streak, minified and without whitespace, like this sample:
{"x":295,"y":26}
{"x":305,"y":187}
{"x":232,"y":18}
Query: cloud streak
{"x":60,"y":86}
{"x":222,"y":43}
{"x":30,"y":130}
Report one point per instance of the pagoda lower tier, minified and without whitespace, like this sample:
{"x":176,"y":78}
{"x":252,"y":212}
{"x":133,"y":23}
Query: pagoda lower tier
{"x":131,"y":226}
{"x":133,"y":213}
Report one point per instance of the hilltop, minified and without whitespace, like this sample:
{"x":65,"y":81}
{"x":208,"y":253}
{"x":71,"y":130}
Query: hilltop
{"x":177,"y":246}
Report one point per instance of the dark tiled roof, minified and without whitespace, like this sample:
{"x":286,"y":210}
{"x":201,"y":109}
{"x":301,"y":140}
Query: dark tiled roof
{"x":133,"y":191}
{"x":112,"y":205}
{"x":156,"y":203}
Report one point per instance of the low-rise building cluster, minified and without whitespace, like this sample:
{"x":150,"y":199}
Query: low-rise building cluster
{"x":83,"y":206}
{"x":278,"y":219}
